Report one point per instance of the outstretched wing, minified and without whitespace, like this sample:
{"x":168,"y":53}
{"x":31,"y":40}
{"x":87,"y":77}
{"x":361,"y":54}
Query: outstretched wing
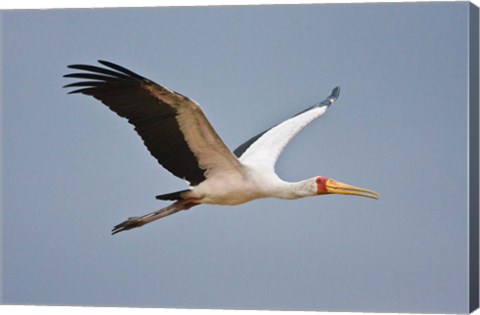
{"x":266,"y":147}
{"x":173,"y":127}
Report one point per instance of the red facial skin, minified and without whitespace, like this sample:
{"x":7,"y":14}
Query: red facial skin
{"x":322,"y":185}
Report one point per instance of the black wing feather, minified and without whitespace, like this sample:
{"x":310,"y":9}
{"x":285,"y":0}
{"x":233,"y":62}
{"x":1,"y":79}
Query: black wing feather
{"x":124,"y":92}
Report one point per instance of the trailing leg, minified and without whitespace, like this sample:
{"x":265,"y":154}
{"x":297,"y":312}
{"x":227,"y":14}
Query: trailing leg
{"x":135,"y":222}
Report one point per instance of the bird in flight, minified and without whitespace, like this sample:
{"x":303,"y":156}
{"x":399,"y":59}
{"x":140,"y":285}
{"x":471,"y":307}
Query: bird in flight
{"x":177,"y":133}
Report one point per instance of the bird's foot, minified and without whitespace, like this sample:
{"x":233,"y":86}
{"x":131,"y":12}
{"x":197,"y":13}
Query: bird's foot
{"x":131,"y":223}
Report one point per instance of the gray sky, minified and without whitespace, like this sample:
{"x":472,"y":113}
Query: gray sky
{"x":72,"y":169}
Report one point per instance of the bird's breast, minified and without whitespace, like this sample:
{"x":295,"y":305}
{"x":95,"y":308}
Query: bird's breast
{"x":230,"y":189}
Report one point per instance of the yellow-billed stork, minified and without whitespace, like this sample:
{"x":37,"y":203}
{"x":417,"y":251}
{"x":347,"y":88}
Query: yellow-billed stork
{"x":176,"y":132}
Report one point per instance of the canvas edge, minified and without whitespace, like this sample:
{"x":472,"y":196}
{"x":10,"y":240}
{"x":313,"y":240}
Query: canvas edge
{"x":473,"y":91}
{"x":2,"y":28}
{"x":473,"y":164}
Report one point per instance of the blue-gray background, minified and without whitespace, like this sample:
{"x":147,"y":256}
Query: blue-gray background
{"x":72,"y":169}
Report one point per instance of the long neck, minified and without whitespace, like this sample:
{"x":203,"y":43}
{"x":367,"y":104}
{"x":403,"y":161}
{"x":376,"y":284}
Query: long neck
{"x":304,"y":188}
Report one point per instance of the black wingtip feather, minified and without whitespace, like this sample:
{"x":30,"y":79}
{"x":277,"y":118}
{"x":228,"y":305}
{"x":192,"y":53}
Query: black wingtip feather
{"x":83,"y":83}
{"x":96,"y":76}
{"x":332,"y":97}
{"x":74,"y":66}
{"x":120,"y":72}
{"x":336,"y":92}
{"x":84,"y":91}
{"x":121,"y":69}
{"x":93,"y":76}
{"x":99,"y":70}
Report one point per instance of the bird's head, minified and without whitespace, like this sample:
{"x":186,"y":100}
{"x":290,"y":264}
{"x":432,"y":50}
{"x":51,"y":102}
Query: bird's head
{"x":330,"y":186}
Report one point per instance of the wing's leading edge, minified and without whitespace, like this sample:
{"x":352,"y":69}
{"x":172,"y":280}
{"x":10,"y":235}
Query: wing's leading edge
{"x":266,"y":147}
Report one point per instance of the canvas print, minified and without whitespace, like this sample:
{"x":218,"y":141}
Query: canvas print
{"x":313,"y":157}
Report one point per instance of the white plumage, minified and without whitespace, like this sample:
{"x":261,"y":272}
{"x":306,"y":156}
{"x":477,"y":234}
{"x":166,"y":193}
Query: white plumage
{"x":270,"y":145}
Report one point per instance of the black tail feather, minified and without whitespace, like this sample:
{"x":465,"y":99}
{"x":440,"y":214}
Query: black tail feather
{"x":177,"y":195}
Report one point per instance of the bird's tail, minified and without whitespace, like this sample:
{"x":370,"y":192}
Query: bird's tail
{"x":135,"y":222}
{"x":177,"y":195}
